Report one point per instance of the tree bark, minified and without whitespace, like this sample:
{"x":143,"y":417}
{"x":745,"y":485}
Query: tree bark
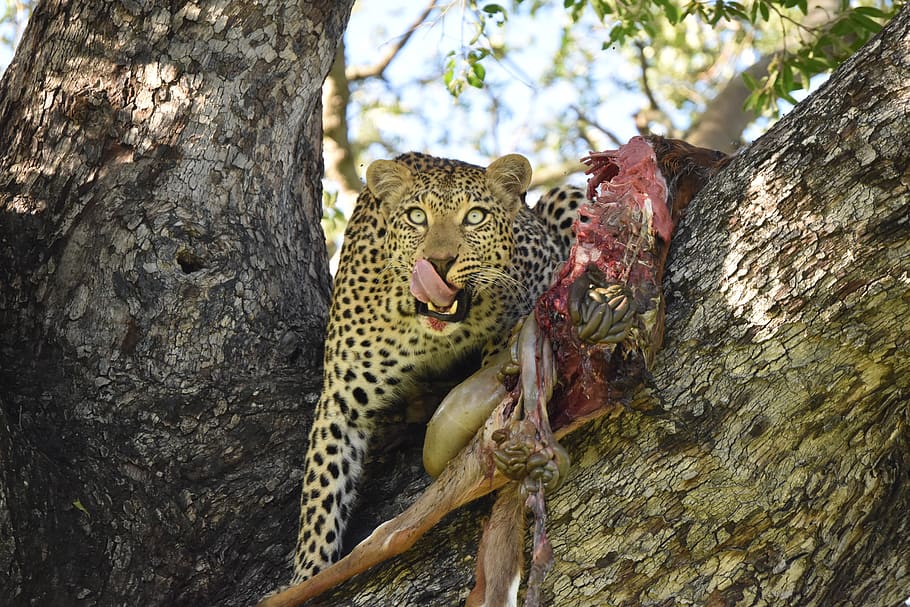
{"x":773,"y":467}
{"x":162,"y":297}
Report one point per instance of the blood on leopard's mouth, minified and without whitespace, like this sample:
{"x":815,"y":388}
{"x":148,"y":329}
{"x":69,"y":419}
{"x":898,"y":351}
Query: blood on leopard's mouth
{"x":454,"y":312}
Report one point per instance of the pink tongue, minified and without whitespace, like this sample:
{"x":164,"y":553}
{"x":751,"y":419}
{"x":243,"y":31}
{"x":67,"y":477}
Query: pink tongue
{"x":427,"y":286}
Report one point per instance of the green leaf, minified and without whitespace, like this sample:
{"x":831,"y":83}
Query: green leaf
{"x":755,"y":102}
{"x":720,"y":11}
{"x":786,"y":73}
{"x":617,"y":34}
{"x":816,"y":66}
{"x":751,"y":82}
{"x":871,"y":11}
{"x":865,"y":22}
{"x":765,"y":11}
{"x":841,"y":28}
{"x":479,"y":73}
{"x":650,"y":28}
{"x":497,"y":11}
{"x":738,"y":10}
{"x":692,"y":8}
{"x":449,"y":74}
{"x":477,"y":54}
{"x":601,"y":9}
{"x":788,"y":97}
{"x":492,"y":9}
{"x":77,"y":504}
{"x":454,"y":84}
{"x":805,"y":74}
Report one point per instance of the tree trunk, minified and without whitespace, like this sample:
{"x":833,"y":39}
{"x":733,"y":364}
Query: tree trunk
{"x":774,"y":465}
{"x":163,"y":293}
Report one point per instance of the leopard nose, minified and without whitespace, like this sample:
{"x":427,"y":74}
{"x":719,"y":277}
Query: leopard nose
{"x":442,"y":265}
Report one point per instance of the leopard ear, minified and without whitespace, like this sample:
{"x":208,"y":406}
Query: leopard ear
{"x":388,"y":181}
{"x":509,"y":176}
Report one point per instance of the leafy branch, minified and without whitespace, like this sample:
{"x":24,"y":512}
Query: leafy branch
{"x":817,"y":49}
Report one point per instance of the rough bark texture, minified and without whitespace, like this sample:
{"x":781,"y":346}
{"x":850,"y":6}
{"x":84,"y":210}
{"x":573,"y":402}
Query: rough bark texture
{"x":774,"y":467}
{"x":162,"y":297}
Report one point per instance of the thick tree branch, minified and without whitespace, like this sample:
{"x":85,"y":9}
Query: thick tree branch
{"x":721,"y":125}
{"x":339,"y":154}
{"x":163,"y":294}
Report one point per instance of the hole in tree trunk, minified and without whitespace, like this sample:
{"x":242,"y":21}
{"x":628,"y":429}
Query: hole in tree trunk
{"x":189,"y":261}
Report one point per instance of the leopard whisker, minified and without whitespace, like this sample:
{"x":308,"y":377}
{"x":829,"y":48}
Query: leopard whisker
{"x":488,"y":277}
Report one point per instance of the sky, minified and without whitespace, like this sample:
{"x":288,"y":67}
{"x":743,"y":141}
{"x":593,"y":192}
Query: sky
{"x":7,"y":30}
{"x":375,"y":26}
{"x":533,"y":41}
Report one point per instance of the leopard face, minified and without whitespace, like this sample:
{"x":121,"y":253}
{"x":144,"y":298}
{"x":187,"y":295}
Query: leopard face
{"x":449,"y":237}
{"x":440,"y":259}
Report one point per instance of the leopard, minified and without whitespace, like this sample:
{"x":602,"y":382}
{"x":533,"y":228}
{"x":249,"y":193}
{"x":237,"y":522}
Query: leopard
{"x":440,"y":259}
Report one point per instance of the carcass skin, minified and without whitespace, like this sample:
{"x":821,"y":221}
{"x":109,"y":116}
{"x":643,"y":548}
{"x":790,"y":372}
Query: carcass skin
{"x":638,"y":193}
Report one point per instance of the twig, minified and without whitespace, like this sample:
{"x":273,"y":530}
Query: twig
{"x":355,"y":73}
{"x":583,"y":117}
{"x":645,"y":83}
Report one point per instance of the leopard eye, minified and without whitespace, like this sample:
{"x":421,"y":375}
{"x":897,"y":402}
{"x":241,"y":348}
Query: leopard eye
{"x":417,"y":216}
{"x":475,"y":217}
